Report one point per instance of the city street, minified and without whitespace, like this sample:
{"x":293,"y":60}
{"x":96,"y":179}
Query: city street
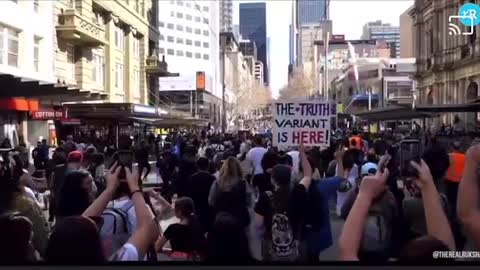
{"x":330,"y":254}
{"x":220,"y":91}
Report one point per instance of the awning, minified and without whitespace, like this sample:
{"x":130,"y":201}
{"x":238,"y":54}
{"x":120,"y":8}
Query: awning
{"x":393,"y":113}
{"x":364,"y":97}
{"x":112,"y":111}
{"x":12,"y":86}
{"x":126,"y":112}
{"x":19,"y":104}
{"x":180,"y":122}
{"x":450,"y":108}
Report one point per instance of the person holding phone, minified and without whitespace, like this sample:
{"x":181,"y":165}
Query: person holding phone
{"x":83,"y":230}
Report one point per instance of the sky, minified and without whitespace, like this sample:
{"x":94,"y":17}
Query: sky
{"x":348,"y":18}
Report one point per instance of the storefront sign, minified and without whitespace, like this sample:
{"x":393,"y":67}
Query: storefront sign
{"x":200,"y":80}
{"x":49,"y":115}
{"x":302,"y":122}
{"x":144,"y":109}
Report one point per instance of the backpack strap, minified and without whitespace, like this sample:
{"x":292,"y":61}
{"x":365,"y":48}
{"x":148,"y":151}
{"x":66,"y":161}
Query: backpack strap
{"x":123,"y":215}
{"x":126,"y":206}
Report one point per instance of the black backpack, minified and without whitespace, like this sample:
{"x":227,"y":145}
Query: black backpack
{"x":281,"y":244}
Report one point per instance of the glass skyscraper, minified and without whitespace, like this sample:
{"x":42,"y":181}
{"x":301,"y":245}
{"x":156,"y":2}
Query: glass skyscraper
{"x":312,"y":11}
{"x":253,"y":26}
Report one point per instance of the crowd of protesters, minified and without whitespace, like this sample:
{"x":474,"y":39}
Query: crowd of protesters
{"x":231,"y":193}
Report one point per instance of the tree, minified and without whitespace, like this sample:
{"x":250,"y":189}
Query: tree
{"x":246,"y":100}
{"x":300,"y":86}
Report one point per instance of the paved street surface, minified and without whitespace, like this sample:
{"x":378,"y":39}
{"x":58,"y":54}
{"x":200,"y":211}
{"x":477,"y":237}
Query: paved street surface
{"x":330,"y":254}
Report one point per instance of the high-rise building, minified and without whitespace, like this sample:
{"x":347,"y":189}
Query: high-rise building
{"x":312,"y":11}
{"x":378,"y":30}
{"x":236,"y":32}
{"x":248,"y":47}
{"x":226,"y":15}
{"x":253,"y":26}
{"x":189,"y":39}
{"x":308,"y":34}
{"x":406,"y":34}
{"x":259,"y":71}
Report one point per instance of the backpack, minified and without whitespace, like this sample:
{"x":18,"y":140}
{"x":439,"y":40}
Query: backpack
{"x":282,"y":246}
{"x":377,"y":235}
{"x":115,"y":230}
{"x":209,"y":153}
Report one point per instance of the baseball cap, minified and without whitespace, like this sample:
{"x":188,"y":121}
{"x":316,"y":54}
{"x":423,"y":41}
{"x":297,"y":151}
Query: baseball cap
{"x":368,"y":168}
{"x":75,"y":156}
{"x":281,"y":174}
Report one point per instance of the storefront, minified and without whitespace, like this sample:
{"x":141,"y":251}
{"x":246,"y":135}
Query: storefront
{"x":111,"y":120}
{"x":43,"y":124}
{"x":13,"y":112}
{"x":29,"y":109}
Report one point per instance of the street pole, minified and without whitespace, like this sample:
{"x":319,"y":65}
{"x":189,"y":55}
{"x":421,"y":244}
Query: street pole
{"x":224,"y":110}
{"x":369,"y":100}
{"x":191,"y":103}
{"x":327,"y":40}
{"x":196,"y":103}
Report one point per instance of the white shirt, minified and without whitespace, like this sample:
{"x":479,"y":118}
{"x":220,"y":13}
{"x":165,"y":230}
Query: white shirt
{"x":244,"y":147}
{"x":132,"y":217}
{"x":28,"y":192}
{"x":342,"y":196}
{"x":255,"y":156}
{"x":295,"y":159}
{"x":128,"y":253}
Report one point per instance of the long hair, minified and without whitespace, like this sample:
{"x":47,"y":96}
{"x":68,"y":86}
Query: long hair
{"x":230,"y":174}
{"x":73,"y":199}
{"x":228,"y":242}
{"x":75,"y":240}
{"x":16,"y":233}
{"x":185,"y":210}
{"x":281,"y":194}
{"x":9,"y":179}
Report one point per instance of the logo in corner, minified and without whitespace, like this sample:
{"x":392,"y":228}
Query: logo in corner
{"x":468,"y":15}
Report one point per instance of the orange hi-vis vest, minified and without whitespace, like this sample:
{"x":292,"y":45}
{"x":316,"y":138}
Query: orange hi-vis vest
{"x":358,"y":142}
{"x":457,"y":164}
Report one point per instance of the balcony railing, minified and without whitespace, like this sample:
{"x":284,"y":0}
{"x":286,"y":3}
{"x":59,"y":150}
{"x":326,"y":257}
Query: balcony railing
{"x":153,"y":65}
{"x":79,"y":30}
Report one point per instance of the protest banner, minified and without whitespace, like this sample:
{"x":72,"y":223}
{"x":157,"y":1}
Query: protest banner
{"x":306,"y":122}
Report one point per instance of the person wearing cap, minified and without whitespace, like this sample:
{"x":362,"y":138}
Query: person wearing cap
{"x":74,"y":160}
{"x":74,"y":163}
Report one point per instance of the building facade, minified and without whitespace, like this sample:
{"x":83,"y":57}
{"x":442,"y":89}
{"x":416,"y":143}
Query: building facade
{"x":259,"y":71}
{"x":309,"y":33}
{"x":253,"y":26}
{"x":26,"y":55}
{"x":248,"y":48}
{"x":378,"y":30}
{"x":448,"y":67}
{"x":27,"y":45}
{"x":309,"y":12}
{"x":406,"y":34}
{"x":102,"y":46}
{"x":189,"y":39}
{"x":379,"y":83}
{"x":108,"y":49}
{"x":226,"y":15}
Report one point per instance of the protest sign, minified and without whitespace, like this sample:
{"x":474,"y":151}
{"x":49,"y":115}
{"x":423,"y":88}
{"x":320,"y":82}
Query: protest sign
{"x":305,"y":122}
